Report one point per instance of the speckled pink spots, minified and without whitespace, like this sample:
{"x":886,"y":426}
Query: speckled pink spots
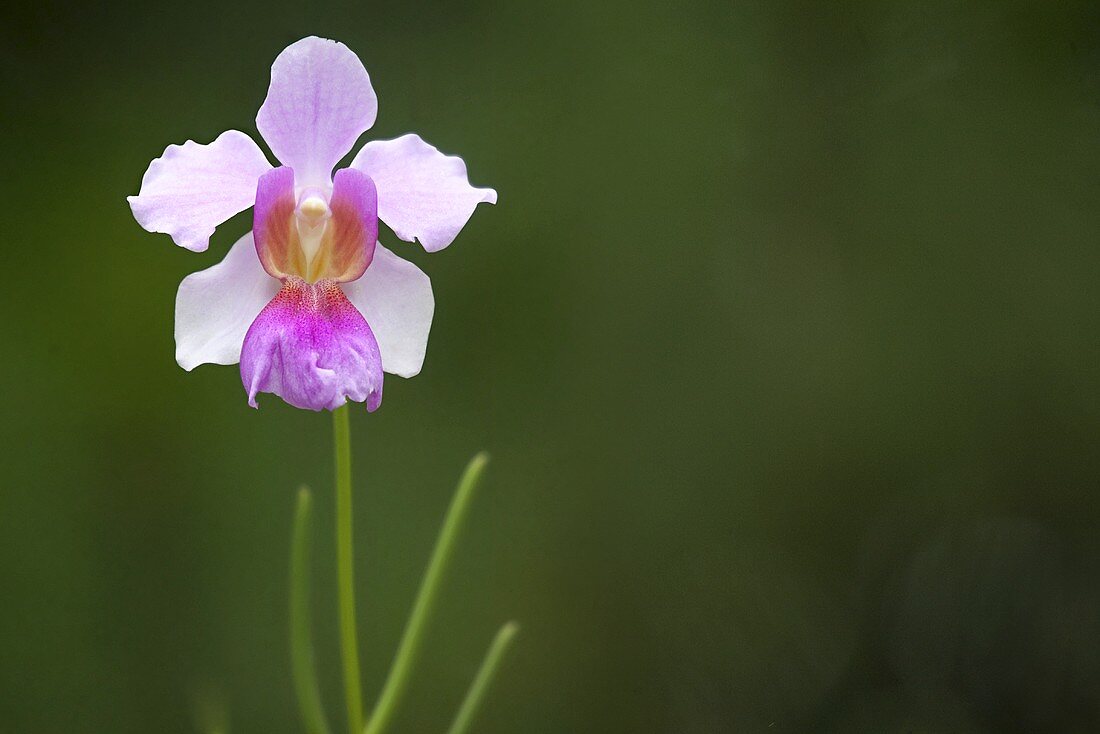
{"x":311,"y":347}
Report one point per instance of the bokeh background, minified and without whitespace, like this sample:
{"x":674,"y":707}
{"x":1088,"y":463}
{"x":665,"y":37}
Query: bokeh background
{"x":783,"y":338}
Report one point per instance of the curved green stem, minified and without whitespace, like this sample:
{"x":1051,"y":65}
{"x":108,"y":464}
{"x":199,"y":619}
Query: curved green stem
{"x":483,"y":678}
{"x":408,"y":651}
{"x":345,"y":575}
{"x":301,"y":642}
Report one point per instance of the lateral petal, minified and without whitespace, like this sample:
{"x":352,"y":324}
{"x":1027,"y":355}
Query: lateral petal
{"x":422,"y":194}
{"x":396,"y":298}
{"x":215,"y":307}
{"x":193,"y":188}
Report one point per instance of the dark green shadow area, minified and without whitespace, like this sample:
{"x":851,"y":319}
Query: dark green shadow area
{"x":783,"y":338}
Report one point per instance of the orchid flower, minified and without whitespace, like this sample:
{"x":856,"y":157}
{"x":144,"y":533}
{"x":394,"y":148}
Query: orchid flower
{"x":313,"y":308}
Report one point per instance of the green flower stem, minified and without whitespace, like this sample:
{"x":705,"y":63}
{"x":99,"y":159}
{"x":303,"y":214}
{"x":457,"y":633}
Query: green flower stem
{"x":301,"y":642}
{"x":345,"y":574}
{"x":408,"y":651}
{"x":484,"y":678}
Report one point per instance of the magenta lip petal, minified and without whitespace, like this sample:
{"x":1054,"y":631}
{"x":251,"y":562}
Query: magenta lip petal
{"x":311,"y":347}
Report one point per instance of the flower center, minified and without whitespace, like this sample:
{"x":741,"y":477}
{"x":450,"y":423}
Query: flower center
{"x":315,"y":233}
{"x":311,"y":217}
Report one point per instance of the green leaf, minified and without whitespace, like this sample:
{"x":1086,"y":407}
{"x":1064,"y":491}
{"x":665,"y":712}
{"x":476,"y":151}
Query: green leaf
{"x":483,"y":679}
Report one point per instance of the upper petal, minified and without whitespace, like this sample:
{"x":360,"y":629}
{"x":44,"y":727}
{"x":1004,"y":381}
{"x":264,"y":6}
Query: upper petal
{"x":193,"y":188}
{"x":396,"y":299}
{"x":422,"y":194}
{"x":320,"y":101}
{"x":215,"y":307}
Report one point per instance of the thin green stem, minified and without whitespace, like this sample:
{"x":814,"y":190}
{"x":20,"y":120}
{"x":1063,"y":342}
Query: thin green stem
{"x":484,"y":678}
{"x":408,"y":651}
{"x":345,"y":582}
{"x":301,"y":641}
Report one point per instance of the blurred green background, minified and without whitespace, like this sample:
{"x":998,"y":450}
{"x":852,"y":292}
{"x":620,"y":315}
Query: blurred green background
{"x":783,"y":338}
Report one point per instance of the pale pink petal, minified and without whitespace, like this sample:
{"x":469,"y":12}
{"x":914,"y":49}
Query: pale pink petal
{"x":312,"y":348}
{"x":396,"y":299}
{"x":422,"y":194}
{"x":193,"y":188}
{"x":320,"y":101}
{"x":215,"y":307}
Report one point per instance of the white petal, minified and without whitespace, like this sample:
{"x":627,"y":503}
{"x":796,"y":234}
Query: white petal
{"x":396,"y":299}
{"x":422,"y":194}
{"x":215,"y":307}
{"x":193,"y":188}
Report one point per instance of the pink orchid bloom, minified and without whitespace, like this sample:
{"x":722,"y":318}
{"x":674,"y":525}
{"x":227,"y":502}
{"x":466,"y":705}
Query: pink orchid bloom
{"x":308,"y":302}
